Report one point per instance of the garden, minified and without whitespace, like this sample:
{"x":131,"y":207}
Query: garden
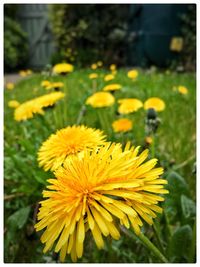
{"x":99,"y":161}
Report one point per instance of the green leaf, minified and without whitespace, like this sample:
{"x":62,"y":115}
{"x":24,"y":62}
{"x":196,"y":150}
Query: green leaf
{"x":19,"y":218}
{"x":179,"y":247}
{"x":177,"y":187}
{"x":177,"y":184}
{"x":188,"y":207}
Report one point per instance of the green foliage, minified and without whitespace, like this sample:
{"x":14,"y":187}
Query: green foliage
{"x":15,"y":44}
{"x":92,"y":32}
{"x":179,"y":248}
{"x":18,"y":219}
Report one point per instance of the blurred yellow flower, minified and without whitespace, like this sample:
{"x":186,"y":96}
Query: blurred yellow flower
{"x":94,"y":66}
{"x":28,"y":72}
{"x":27,"y":109}
{"x":109,"y":77}
{"x":112,"y":87}
{"x":122,"y":125}
{"x":155,"y":103}
{"x":10,"y":86}
{"x":13,"y":104}
{"x":97,"y":193}
{"x":149,"y":140}
{"x":129,"y":105}
{"x":182,"y":90}
{"x":99,"y":63}
{"x":22,"y":73}
{"x":45,"y":83}
{"x":132,"y":74}
{"x":113,"y":67}
{"x":100,"y":100}
{"x":67,"y":142}
{"x":93,"y":75}
{"x":55,"y":85}
{"x":63,"y":68}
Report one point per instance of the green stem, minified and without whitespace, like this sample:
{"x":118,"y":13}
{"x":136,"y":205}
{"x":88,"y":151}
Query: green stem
{"x":153,"y":147}
{"x":81,"y":114}
{"x":152,"y":248}
{"x":104,"y":120}
{"x":156,"y":231}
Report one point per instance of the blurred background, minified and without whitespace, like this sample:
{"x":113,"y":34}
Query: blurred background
{"x":162,"y":35}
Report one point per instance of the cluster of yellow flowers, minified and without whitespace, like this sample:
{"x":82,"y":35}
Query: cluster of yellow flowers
{"x":98,"y":186}
{"x":24,"y":73}
{"x":27,"y":109}
{"x":94,"y":66}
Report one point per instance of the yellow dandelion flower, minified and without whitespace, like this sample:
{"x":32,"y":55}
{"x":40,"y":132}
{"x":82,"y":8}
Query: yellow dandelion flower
{"x":182,"y":90}
{"x":45,"y":83}
{"x":10,"y":86}
{"x":155,"y":103}
{"x":93,"y":76}
{"x":132,"y":74}
{"x":35,"y":106}
{"x":96,"y":193}
{"x":22,"y":73}
{"x":29,"y":72}
{"x":49,"y":99}
{"x":122,"y":125}
{"x":112,"y":87}
{"x":55,"y":85}
{"x":27,"y":110}
{"x":99,"y":63}
{"x":129,"y":105}
{"x":63,"y":68}
{"x":100,"y":100}
{"x":113,"y":67}
{"x":94,"y":66}
{"x":66,"y":142}
{"x":13,"y":104}
{"x":109,"y":77}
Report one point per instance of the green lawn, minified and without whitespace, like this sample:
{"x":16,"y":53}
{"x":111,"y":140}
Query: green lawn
{"x":175,"y":147}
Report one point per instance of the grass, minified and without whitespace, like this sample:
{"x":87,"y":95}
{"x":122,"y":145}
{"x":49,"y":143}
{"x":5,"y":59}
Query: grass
{"x":174,"y":146}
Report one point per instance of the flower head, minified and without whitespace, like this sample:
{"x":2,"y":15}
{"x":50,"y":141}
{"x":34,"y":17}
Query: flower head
{"x":45,"y":83}
{"x":94,"y":66}
{"x":182,"y":90}
{"x":23,"y":73}
{"x":149,"y":140}
{"x":97,"y":192}
{"x":67,"y":142}
{"x":99,"y":63}
{"x":132,"y":74}
{"x":155,"y":103}
{"x":10,"y":86}
{"x":27,"y":109}
{"x":129,"y":105}
{"x":109,"y":77}
{"x":112,"y":87}
{"x":93,"y":76}
{"x":13,"y":104}
{"x":55,"y":85}
{"x":122,"y":125}
{"x":113,"y":67}
{"x":100,"y":100}
{"x":63,"y":68}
